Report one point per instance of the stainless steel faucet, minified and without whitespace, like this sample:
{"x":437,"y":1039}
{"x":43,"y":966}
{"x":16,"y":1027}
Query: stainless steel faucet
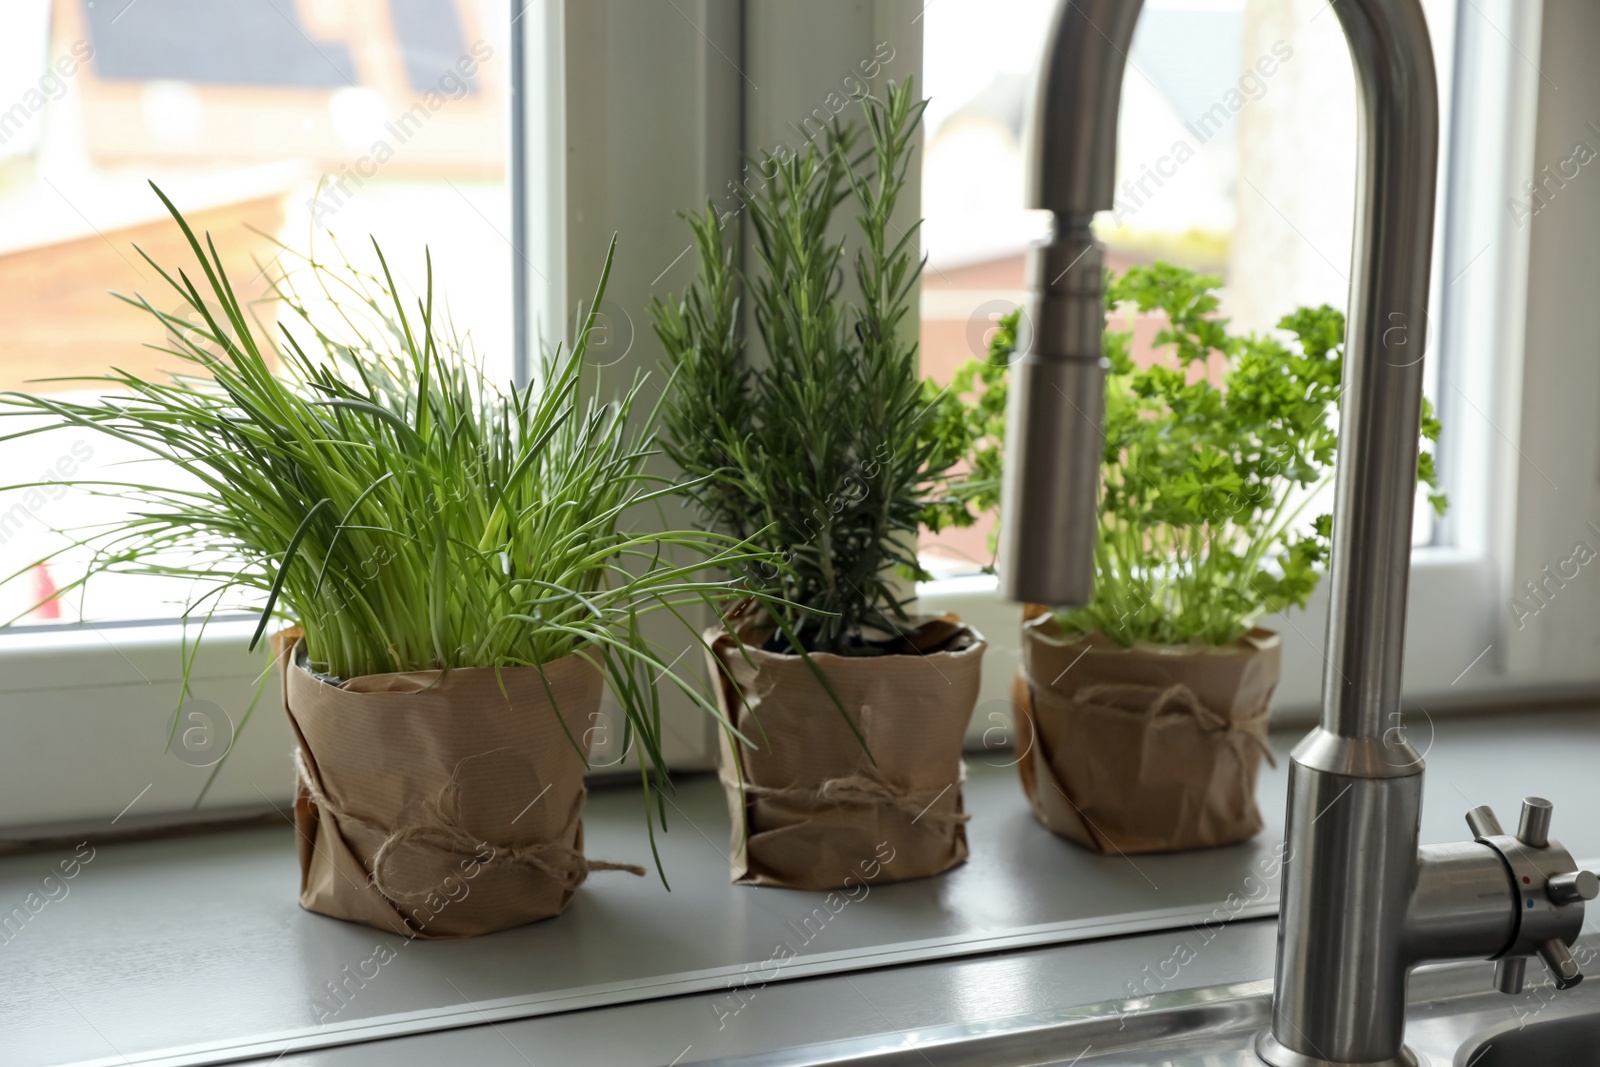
{"x":1362,"y":901}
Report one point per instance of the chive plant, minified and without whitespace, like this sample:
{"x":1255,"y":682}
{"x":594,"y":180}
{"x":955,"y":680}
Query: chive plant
{"x":358,"y":475}
{"x":829,"y":452}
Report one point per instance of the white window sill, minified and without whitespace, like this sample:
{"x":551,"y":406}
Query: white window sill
{"x":212,"y":924}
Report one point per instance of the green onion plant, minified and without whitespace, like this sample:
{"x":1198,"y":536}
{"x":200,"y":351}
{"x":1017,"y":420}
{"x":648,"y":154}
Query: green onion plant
{"x":359,"y":476}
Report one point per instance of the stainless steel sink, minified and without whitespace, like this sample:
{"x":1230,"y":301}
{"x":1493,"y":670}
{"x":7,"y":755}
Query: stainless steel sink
{"x":1456,"y":1018}
{"x":1573,"y":1042}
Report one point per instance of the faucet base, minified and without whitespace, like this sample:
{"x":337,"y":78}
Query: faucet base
{"x":1273,"y":1053}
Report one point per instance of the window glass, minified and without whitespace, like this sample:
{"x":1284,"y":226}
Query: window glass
{"x":1235,"y":156}
{"x":297,"y":121}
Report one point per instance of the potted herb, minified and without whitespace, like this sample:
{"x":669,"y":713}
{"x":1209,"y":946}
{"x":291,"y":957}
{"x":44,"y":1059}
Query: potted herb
{"x":455,"y":561}
{"x":1142,"y":716}
{"x":828,"y":453}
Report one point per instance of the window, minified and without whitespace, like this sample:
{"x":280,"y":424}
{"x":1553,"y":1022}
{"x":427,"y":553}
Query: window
{"x":1236,"y":156}
{"x":626,"y":114}
{"x":265,"y":121}
{"x":336,"y":121}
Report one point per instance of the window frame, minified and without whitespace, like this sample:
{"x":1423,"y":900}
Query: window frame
{"x":572,"y":126}
{"x":99,"y":698}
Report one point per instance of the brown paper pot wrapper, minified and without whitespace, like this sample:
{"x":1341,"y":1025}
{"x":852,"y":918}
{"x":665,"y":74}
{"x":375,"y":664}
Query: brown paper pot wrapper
{"x":1147,"y":749}
{"x":814,"y":810}
{"x":413,"y":800}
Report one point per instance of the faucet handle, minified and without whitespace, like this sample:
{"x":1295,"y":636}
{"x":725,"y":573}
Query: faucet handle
{"x":1548,"y":921}
{"x":1533,"y":829}
{"x":1482,"y":822}
{"x":1570,"y":887}
{"x":1509,"y":973}
{"x":1558,"y":958}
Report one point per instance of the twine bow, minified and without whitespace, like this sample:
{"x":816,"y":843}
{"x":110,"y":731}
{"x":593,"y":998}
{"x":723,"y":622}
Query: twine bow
{"x":444,"y":835}
{"x":1151,"y":700}
{"x":862,"y":790}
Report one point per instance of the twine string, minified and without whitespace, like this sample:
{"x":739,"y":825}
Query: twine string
{"x":443,"y":834}
{"x":861,"y":790}
{"x":1152,"y":700}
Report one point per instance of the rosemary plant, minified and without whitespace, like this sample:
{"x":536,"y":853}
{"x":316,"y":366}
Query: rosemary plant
{"x":828,"y":453}
{"x":359,"y":476}
{"x":1205,"y":476}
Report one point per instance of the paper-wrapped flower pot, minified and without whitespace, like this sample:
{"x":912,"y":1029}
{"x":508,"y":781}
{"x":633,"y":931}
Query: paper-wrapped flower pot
{"x":1145,"y":749}
{"x":810,"y":809}
{"x":441,"y":804}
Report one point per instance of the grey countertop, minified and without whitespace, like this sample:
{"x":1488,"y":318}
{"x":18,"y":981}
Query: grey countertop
{"x":900,"y":1004}
{"x":195,"y":951}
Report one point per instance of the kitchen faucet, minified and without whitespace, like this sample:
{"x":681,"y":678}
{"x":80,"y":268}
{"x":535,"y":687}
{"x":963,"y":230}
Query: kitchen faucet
{"x":1362,"y":902}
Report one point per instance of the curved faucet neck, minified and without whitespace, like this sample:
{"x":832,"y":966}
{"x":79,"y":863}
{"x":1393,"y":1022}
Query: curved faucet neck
{"x":1072,"y":172}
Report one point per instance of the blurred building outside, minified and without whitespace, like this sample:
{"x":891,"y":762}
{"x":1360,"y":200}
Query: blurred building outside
{"x":341,"y":119}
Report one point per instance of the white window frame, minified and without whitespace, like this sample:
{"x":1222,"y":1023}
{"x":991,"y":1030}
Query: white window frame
{"x":85,"y":709}
{"x":643,"y":131}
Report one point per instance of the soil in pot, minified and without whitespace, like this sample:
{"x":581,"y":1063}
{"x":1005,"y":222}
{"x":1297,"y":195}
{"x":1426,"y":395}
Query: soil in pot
{"x":441,"y":804}
{"x":810,"y":808}
{"x":1145,"y":749}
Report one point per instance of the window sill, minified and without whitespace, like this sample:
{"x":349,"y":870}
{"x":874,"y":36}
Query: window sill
{"x":85,"y":713}
{"x":255,"y":969}
{"x":212,"y":923}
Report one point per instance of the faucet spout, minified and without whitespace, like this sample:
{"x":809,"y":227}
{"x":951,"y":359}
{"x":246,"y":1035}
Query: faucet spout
{"x":1051,"y":492}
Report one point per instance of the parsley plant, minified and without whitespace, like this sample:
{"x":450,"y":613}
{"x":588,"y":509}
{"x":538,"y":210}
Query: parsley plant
{"x":1212,"y":455}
